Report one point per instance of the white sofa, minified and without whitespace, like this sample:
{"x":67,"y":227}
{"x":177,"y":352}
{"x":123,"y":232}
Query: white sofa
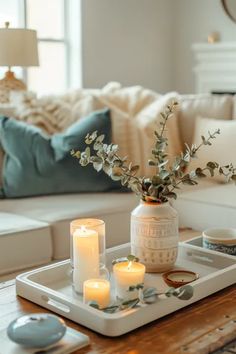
{"x":34,"y":231}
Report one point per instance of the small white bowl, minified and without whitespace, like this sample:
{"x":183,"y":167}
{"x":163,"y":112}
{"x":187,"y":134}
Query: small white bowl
{"x":222,"y":240}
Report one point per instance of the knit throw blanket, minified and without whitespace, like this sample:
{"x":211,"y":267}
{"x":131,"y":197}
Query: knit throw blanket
{"x":135,"y":112}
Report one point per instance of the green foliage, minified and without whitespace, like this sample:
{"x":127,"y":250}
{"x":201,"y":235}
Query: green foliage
{"x":129,"y":258}
{"x":136,"y":287}
{"x":167,"y":177}
{"x":145,"y":296}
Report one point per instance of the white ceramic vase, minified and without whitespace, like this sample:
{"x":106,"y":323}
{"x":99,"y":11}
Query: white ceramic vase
{"x":155,"y":235}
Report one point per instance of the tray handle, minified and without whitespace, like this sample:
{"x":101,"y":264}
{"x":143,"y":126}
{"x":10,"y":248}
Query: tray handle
{"x":200,"y":257}
{"x":55,"y":304}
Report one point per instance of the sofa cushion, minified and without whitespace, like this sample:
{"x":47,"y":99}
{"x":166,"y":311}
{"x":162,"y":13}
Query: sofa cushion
{"x":24,"y":242}
{"x":213,"y":206}
{"x":223,"y":147}
{"x":205,"y":105}
{"x":58,"y":211}
{"x":30,"y":166}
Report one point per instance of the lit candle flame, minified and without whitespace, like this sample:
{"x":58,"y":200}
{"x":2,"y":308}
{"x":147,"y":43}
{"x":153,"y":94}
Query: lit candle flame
{"x":130,"y":265}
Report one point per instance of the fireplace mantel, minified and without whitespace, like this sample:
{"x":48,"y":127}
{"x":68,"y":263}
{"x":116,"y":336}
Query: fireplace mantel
{"x":215,"y":68}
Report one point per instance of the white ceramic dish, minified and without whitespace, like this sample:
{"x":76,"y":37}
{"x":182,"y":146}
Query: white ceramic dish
{"x":50,"y":287}
{"x":221,"y":240}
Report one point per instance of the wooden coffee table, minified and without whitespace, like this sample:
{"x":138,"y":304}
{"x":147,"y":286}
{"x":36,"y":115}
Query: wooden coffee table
{"x":197,"y":329}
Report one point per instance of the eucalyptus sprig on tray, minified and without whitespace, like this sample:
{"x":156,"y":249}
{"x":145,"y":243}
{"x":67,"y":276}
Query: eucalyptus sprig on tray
{"x":146,"y":296}
{"x":167,"y":177}
{"x":129,"y":258}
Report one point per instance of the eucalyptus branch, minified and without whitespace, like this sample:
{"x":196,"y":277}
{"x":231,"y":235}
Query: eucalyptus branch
{"x":166,"y":116}
{"x":163,"y":184}
{"x":145,"y":296}
{"x":206,"y":141}
{"x":159,"y":155}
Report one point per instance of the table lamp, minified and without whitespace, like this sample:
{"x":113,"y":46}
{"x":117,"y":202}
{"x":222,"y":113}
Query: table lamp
{"x":18,"y":47}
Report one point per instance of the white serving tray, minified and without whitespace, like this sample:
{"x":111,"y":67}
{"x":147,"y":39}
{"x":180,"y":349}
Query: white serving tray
{"x":198,"y":242}
{"x":50,"y":287}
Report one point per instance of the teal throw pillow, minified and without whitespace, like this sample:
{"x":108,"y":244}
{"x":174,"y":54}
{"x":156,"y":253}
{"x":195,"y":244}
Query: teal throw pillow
{"x":35,"y":164}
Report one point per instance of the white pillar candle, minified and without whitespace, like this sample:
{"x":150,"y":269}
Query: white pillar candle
{"x":127,"y":274}
{"x":86,"y":257}
{"x":97,"y":290}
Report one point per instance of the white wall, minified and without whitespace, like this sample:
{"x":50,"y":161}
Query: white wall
{"x":128,"y":41}
{"x":194,"y":20}
{"x":147,"y":42}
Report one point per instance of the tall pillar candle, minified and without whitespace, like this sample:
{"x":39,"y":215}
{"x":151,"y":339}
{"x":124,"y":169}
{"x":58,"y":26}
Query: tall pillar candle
{"x":86,"y":257}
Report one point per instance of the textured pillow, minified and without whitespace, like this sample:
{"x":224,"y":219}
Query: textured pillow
{"x":223,"y":147}
{"x":30,"y":163}
{"x":134,"y":134}
{"x":72,"y":138}
{"x":204,"y":105}
{"x":126,"y":134}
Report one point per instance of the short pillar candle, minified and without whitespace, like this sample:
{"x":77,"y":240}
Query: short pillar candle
{"x":86,"y":257}
{"x":97,"y":290}
{"x":128,"y":274}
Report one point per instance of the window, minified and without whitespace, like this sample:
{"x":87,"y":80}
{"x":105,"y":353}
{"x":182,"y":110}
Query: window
{"x":48,"y":18}
{"x":57,"y":23}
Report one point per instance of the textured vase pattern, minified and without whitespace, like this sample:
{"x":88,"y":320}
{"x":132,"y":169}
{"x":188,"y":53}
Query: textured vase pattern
{"x":154,"y":236}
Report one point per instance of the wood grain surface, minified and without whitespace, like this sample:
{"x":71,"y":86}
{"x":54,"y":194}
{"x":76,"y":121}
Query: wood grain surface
{"x":199,"y":328}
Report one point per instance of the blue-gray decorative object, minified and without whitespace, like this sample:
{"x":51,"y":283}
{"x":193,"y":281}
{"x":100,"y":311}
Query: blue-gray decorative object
{"x":36,"y":330}
{"x":35,"y":164}
{"x":229,"y":249}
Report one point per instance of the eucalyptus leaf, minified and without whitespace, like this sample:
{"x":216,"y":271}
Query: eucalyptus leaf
{"x":111,"y":309}
{"x":129,"y":304}
{"x":97,"y":166}
{"x":87,"y":151}
{"x":170,"y":292}
{"x":151,"y":163}
{"x":90,"y":138}
{"x":149,"y":292}
{"x":184,"y":292}
{"x":132,"y":258}
{"x":100,"y":138}
{"x":212,"y":165}
{"x":150,"y":299}
{"x":107,"y":168}
{"x":164,"y":174}
{"x":94,"y":304}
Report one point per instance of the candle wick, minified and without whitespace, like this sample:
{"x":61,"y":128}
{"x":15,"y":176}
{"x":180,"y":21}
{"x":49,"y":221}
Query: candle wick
{"x":83,"y":228}
{"x":129,"y":265}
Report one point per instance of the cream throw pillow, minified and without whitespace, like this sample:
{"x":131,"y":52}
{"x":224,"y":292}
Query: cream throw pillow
{"x":126,"y":134}
{"x":223,"y":148}
{"x":204,"y":105}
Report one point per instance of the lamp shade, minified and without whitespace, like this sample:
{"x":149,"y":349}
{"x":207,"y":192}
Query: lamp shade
{"x":18,"y":47}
